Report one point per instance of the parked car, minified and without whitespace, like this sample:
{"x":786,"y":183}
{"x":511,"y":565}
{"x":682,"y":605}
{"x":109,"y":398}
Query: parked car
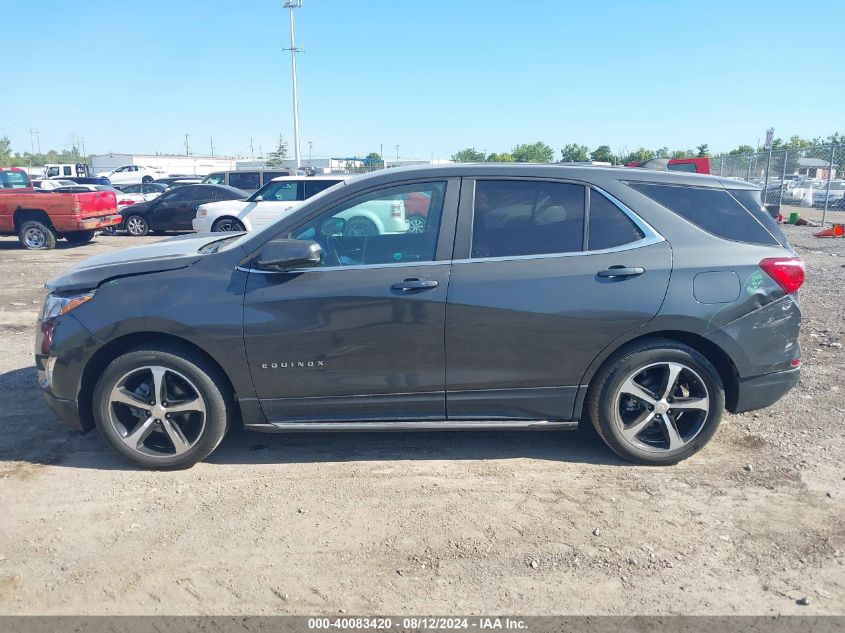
{"x":40,"y":218}
{"x":147,"y":191}
{"x":122,"y":199}
{"x":89,"y":180}
{"x":644,"y":301}
{"x":266,"y":205}
{"x":131,"y":174}
{"x":835,"y":195}
{"x":249,"y":180}
{"x":52,"y":183}
{"x":178,"y":181}
{"x":174,"y":210}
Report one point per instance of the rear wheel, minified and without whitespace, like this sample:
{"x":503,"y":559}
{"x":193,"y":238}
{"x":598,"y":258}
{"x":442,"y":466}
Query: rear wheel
{"x":79,"y":237}
{"x":37,"y":236}
{"x":162,"y":408}
{"x":416,"y":224}
{"x":136,"y":225}
{"x":146,"y":179}
{"x":227,"y":224}
{"x":657,"y":402}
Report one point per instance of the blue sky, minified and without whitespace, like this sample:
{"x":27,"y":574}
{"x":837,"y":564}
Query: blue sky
{"x":433,"y":77}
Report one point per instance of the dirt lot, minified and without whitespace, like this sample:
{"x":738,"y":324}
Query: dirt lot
{"x":469,"y":522}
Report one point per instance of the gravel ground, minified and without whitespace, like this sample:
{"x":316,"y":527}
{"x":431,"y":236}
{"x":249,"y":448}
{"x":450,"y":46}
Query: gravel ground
{"x":468,"y":522}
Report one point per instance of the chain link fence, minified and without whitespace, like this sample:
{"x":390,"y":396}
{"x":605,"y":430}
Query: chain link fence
{"x":793,"y":180}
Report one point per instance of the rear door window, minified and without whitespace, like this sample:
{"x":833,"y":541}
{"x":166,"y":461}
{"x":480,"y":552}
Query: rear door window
{"x":518,"y":217}
{"x":245,"y":180}
{"x":269,"y":175}
{"x":313,"y":187}
{"x":714,"y":210}
{"x":750,"y":199}
{"x":609,"y":226}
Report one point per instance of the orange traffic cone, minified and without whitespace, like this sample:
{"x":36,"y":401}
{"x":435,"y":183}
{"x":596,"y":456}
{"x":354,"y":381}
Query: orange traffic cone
{"x":837,"y":230}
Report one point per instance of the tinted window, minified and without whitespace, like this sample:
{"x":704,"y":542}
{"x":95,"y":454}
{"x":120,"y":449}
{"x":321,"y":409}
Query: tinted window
{"x":285,"y":191}
{"x":269,"y":175}
{"x":751,"y":200}
{"x":215,"y":179}
{"x":313,"y":187}
{"x":13,"y":180}
{"x":609,"y":226}
{"x":67,"y":171}
{"x":131,"y":189}
{"x":372,"y":228}
{"x":182,"y":194}
{"x":245,"y":179}
{"x":527,"y":218}
{"x":220,"y":193}
{"x":683,"y":167}
{"x":713,"y":210}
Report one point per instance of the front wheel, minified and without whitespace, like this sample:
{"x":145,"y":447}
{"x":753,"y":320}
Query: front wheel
{"x":162,"y":407}
{"x":37,"y":236}
{"x":136,"y":225}
{"x":146,"y":180}
{"x":416,"y":224}
{"x":359,"y":227}
{"x":227,"y":224}
{"x":657,"y":402}
{"x":79,"y":237}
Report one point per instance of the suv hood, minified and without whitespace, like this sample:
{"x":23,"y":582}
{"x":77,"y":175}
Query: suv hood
{"x":227,"y":207}
{"x":178,"y":252}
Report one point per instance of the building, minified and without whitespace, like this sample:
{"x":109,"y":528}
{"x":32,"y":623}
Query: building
{"x":171,"y":163}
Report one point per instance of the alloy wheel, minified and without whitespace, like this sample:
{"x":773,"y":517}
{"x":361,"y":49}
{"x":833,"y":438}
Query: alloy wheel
{"x":157,"y":411}
{"x":136,"y":225}
{"x":228,"y":225}
{"x":661,"y":407}
{"x":416,"y":224}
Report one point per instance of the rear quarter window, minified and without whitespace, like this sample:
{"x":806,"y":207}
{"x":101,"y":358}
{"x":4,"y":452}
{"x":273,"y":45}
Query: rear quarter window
{"x":714,"y":210}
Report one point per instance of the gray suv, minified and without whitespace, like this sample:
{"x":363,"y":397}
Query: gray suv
{"x":530,"y":296}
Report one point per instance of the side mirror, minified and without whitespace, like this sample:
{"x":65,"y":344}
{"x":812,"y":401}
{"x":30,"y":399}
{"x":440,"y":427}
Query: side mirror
{"x":283,"y":255}
{"x":259,"y":199}
{"x":333,"y":226}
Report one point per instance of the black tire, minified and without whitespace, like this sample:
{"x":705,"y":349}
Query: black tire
{"x":146,"y":180}
{"x":227,"y":225}
{"x":79,"y":237}
{"x":360,"y":226}
{"x":208,"y":382}
{"x":37,"y":236}
{"x":614,"y":413}
{"x":136,"y":226}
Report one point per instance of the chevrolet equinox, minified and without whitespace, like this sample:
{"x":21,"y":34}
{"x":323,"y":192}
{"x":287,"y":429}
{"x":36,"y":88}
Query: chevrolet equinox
{"x":531,"y":296}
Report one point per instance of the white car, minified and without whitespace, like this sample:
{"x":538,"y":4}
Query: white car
{"x":266,"y":205}
{"x":148,"y":190}
{"x":52,"y":184}
{"x":123,"y":198}
{"x":133,"y":174}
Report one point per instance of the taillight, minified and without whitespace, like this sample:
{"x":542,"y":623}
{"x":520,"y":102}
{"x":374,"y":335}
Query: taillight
{"x":396,"y":209}
{"x":123,"y":203}
{"x":788,"y":272}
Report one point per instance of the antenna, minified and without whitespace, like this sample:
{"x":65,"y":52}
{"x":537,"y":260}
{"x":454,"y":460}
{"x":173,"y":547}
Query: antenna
{"x":291,"y":5}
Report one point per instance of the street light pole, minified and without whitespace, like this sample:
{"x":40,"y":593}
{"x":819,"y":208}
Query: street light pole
{"x":291,"y":5}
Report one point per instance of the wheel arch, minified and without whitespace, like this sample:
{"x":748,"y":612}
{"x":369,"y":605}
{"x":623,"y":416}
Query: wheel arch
{"x":718,"y":357}
{"x":114,"y":348}
{"x":227,"y":216}
{"x":24,"y":215}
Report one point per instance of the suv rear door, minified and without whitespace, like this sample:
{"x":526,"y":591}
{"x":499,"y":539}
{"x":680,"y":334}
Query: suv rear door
{"x":546,"y":274}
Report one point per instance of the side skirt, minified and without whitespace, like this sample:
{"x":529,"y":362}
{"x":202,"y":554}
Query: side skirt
{"x":406,"y":425}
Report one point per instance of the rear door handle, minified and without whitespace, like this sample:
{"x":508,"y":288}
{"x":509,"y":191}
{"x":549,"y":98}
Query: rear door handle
{"x":620,"y":271}
{"x":412,"y":285}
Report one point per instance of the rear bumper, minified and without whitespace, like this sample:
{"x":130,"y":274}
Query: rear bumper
{"x":89,"y":224}
{"x":762,"y":391}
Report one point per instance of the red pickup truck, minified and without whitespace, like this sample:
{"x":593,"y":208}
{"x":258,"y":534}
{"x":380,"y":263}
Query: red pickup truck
{"x":39,"y":218}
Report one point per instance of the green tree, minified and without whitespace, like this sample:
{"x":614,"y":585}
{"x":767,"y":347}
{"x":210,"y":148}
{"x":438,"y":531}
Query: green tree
{"x":468,"y":155}
{"x":663,"y":152}
{"x":504,"y":157}
{"x":277,"y":157}
{"x":742,"y":149}
{"x":602,"y":154}
{"x":537,"y":152}
{"x":638,"y":156}
{"x":5,"y":151}
{"x":796,"y":142}
{"x":703,"y":150}
{"x":574,"y":153}
{"x":374,"y":159}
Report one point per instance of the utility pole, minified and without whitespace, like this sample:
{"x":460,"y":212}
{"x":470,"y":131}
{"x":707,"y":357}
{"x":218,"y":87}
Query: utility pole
{"x":381,"y":151}
{"x":397,"y":154}
{"x":187,"y":147}
{"x":291,"y":5}
{"x":251,"y":149}
{"x":211,"y":139}
{"x":33,"y":131}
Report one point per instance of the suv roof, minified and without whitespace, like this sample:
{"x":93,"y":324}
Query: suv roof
{"x":309,"y":178}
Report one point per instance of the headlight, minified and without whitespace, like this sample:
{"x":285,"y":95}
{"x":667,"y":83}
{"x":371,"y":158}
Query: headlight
{"x":202,"y":213}
{"x":56,"y":306}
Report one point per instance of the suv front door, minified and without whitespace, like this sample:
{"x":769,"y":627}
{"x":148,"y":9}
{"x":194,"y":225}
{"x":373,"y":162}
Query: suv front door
{"x":533,"y":298}
{"x":360,"y":336}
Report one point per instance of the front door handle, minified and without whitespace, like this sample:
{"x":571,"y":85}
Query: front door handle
{"x":412,"y":285}
{"x":619,"y":272}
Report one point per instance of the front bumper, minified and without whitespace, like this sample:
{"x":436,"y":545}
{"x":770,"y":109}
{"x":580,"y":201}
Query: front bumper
{"x":762,"y":391}
{"x":66,"y":410}
{"x":202,"y":225}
